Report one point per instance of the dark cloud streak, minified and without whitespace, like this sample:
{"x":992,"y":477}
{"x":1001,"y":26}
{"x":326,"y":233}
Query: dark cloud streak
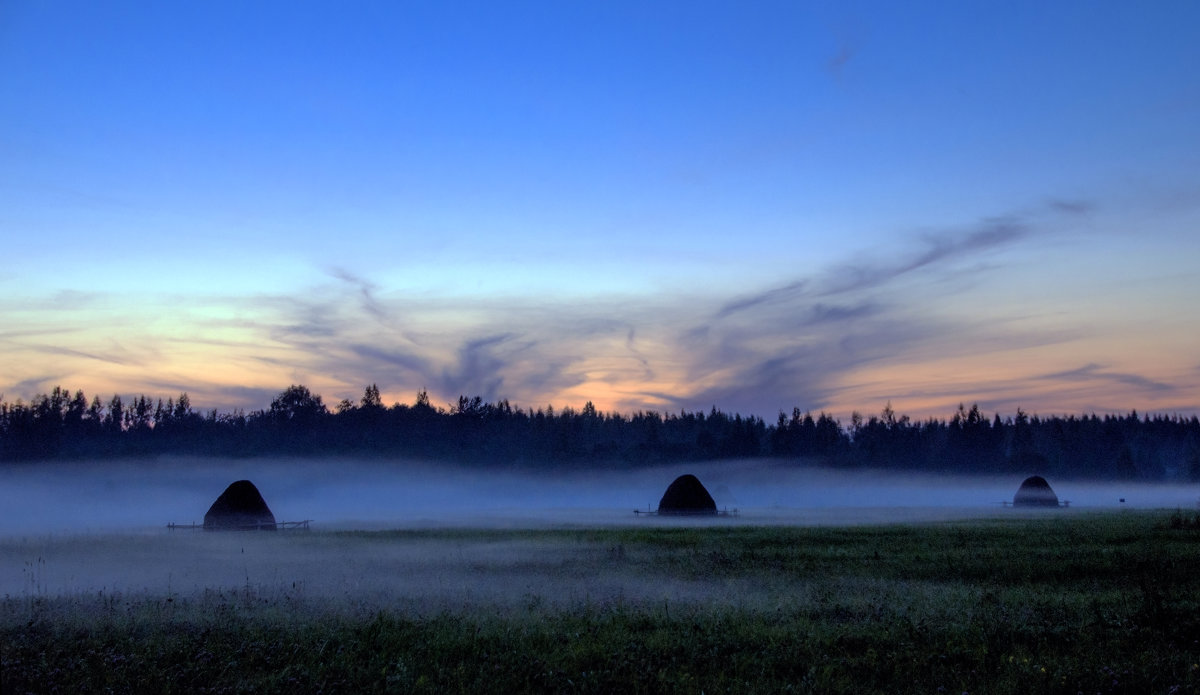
{"x":479,"y":371}
{"x":1071,"y":207}
{"x":393,"y":357}
{"x":785,"y":293}
{"x":788,"y":345}
{"x":123,"y":361}
{"x":988,"y":235}
{"x":365,"y":289}
{"x":1093,"y":372}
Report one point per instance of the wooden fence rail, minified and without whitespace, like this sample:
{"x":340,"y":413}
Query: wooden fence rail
{"x":699,"y":512}
{"x":281,"y":525}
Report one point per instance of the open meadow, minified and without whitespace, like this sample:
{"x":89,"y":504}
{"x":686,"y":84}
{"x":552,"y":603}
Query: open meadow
{"x":1055,"y":602}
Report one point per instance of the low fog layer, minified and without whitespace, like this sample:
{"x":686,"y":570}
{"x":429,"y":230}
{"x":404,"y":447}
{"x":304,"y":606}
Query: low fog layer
{"x":334,"y":572}
{"x":85,"y":498}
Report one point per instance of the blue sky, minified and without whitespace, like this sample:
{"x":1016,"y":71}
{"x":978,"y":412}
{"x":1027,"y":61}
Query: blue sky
{"x":662,"y":206}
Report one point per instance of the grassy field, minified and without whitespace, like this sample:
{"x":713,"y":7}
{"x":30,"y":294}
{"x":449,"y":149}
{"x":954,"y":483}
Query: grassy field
{"x":1078,"y":603}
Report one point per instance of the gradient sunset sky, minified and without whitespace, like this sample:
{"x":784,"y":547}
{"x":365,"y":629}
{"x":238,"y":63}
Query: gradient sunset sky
{"x":649,"y":205}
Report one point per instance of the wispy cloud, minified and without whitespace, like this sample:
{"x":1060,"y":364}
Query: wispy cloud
{"x":1071,"y":207}
{"x":847,"y":47}
{"x":479,"y":369}
{"x":392,"y":358}
{"x":837,"y":63}
{"x":790,"y":344}
{"x":865,"y":274}
{"x":933,"y":249}
{"x":120,"y":357}
{"x":795,"y":344}
{"x":1093,"y":372}
{"x":11,"y":335}
{"x":830,"y":313}
{"x":365,"y":290}
{"x":785,"y":293}
{"x":845,"y":333}
{"x":35,"y":385}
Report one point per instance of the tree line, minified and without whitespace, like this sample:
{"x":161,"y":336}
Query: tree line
{"x":65,"y":426}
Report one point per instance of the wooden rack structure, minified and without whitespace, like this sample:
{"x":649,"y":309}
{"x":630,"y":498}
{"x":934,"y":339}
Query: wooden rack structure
{"x":278,"y":525}
{"x":699,"y":512}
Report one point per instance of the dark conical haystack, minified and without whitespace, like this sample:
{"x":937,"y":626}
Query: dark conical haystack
{"x":686,"y":496}
{"x":1035,"y":492}
{"x":240,"y":507}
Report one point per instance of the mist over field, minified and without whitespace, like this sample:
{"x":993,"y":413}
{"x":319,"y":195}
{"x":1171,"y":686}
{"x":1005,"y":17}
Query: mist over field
{"x":146,"y":495}
{"x":95,"y":529}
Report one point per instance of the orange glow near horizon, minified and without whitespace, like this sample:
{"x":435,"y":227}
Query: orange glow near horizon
{"x":1011,"y":381}
{"x":921,"y":391}
{"x":241,"y":365}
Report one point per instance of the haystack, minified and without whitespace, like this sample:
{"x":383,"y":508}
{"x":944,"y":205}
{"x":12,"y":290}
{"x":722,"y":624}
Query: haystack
{"x":686,"y":496}
{"x":241,"y":506}
{"x":1035,"y":492}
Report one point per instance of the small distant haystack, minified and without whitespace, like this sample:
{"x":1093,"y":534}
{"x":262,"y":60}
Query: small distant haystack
{"x":1035,"y":492}
{"x":686,"y":496}
{"x":239,"y":507}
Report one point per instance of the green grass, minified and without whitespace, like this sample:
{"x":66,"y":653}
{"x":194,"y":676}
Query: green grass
{"x":1105,"y":603}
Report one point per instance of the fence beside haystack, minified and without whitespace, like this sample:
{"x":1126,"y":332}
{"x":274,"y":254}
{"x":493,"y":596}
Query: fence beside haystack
{"x":686,"y":512}
{"x":279,"y":525}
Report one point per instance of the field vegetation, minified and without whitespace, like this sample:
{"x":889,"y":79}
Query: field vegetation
{"x":1055,"y":603}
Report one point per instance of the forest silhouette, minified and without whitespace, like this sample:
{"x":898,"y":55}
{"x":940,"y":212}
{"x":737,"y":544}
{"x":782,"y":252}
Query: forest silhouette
{"x":65,"y":426}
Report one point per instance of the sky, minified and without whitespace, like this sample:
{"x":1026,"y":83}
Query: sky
{"x":650,"y":206}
